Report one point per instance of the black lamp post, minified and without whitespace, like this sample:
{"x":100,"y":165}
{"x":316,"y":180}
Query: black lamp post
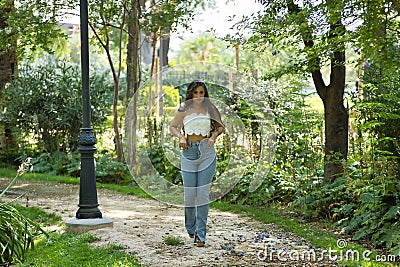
{"x":88,"y":205}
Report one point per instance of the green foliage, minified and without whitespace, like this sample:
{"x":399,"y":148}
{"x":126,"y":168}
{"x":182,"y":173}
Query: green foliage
{"x":17,"y":231}
{"x":378,"y":36}
{"x":33,"y":25}
{"x":324,"y":199}
{"x":108,"y":170}
{"x":45,"y":101}
{"x":206,"y":48}
{"x":379,"y":115}
{"x":273,"y":189}
{"x":111,"y":171}
{"x":171,"y":96}
{"x":299,"y":144}
{"x":76,"y":251}
{"x":297,"y":156}
{"x":156,"y":153}
{"x":365,"y":207}
{"x":377,"y":215}
{"x":168,"y":14}
{"x":17,"y":234}
{"x":309,"y":33}
{"x":57,"y":163}
{"x":163,"y":166}
{"x":373,"y":212}
{"x":365,"y":203}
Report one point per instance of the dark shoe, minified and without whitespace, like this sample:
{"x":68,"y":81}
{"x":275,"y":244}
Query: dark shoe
{"x":191,"y":235}
{"x":198,"y":243}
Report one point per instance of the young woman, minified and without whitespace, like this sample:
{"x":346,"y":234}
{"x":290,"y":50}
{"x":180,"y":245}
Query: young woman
{"x":197,"y":124}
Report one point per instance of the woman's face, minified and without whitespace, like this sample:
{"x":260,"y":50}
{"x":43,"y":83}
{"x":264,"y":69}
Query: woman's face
{"x":198,"y":94}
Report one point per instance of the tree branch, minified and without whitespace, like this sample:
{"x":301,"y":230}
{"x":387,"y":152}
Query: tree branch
{"x":313,"y":63}
{"x":338,"y":69}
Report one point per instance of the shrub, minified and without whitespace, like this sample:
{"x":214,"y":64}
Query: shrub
{"x":45,"y":102}
{"x":17,"y":232}
{"x":108,"y":170}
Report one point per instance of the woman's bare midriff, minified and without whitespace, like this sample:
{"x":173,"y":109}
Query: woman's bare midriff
{"x":195,"y":138}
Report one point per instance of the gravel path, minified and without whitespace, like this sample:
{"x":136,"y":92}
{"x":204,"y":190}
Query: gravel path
{"x":141,"y":225}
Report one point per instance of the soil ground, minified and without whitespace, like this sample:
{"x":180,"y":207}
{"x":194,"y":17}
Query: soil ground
{"x":142,"y":225}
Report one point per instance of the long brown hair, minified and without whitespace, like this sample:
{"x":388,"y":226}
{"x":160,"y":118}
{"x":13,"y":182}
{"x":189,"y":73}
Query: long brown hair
{"x":210,"y":107}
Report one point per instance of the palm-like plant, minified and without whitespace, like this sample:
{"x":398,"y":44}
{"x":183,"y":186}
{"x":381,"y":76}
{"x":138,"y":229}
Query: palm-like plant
{"x":17,"y":232}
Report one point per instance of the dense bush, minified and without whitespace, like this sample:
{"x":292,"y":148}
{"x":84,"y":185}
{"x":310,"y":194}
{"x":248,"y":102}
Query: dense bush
{"x":44,"y":103}
{"x":108,"y":170}
{"x":57,"y":163}
{"x":375,"y":214}
{"x":111,"y":171}
{"x":361,"y":203}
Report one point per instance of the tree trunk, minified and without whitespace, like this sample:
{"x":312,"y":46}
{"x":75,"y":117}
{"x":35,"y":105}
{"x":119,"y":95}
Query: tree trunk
{"x":116,"y":73}
{"x":165,"y":40}
{"x":8,"y":59}
{"x":152,"y":69}
{"x":336,"y":139}
{"x":132,"y":79}
{"x":8,"y":67}
{"x":336,"y":115}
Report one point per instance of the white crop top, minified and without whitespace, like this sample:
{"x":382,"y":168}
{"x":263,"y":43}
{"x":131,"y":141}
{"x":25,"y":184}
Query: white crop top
{"x":199,"y":124}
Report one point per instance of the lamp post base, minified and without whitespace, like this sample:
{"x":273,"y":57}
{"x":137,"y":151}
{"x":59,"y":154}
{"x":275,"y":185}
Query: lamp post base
{"x":80,"y":226}
{"x":88,"y":213}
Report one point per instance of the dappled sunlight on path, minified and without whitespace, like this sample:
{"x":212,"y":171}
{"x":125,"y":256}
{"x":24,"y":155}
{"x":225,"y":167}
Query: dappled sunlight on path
{"x":142,"y":225}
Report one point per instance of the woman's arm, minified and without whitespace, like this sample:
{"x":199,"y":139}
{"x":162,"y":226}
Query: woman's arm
{"x":175,"y":127}
{"x":217,"y":121}
{"x":176,"y":124}
{"x":218,"y":131}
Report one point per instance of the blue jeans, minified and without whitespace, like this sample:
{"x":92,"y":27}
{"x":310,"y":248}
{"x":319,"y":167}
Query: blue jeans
{"x":198,"y":165}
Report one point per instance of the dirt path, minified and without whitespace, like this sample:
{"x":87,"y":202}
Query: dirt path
{"x":141,"y":225}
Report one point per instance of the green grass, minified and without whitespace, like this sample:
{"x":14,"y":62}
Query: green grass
{"x":68,"y":249}
{"x":38,"y":215}
{"x":173,"y":241}
{"x":76,"y":251}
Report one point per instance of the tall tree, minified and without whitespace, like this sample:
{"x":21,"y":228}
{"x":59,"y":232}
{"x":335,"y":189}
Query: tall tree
{"x":116,"y":22}
{"x":108,"y":21}
{"x":25,"y":28}
{"x":318,"y":32}
{"x":133,"y":74}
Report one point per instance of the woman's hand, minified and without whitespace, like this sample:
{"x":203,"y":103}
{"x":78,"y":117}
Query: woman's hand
{"x":183,"y":142}
{"x":211,"y":141}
